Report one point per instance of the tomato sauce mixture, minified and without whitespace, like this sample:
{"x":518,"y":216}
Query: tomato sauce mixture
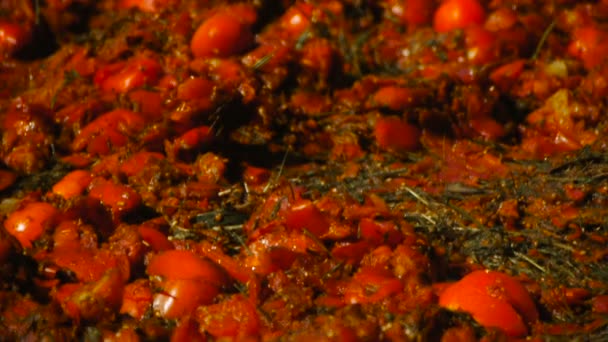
{"x":309,"y":170}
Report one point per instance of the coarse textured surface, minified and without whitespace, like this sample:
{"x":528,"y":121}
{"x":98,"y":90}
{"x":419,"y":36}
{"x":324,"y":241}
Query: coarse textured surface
{"x":303,"y":170}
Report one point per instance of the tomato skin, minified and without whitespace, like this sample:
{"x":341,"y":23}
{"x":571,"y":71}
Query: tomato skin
{"x":494,"y":299}
{"x":296,"y":19}
{"x":380,"y":232}
{"x":92,"y":300}
{"x":89,"y":265}
{"x":72,"y":184}
{"x":395,"y":135}
{"x":305,"y":215}
{"x":196,"y":89}
{"x":371,"y":285}
{"x":350,"y":252}
{"x":180,"y":297}
{"x":120,"y":198}
{"x":501,"y":19}
{"x":13,"y":37}
{"x":134,"y":73}
{"x":505,"y":75}
{"x":182,"y":264}
{"x":481,"y":45}
{"x":393,"y":97}
{"x":153,"y":237}
{"x":458,"y":14}
{"x":149,"y":103}
{"x":234,"y":317}
{"x":138,"y":162}
{"x":30,"y":222}
{"x":107,"y":131}
{"x":233,"y":268}
{"x":221,"y":35}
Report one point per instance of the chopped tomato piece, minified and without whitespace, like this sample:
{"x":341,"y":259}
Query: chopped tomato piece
{"x":132,"y":74}
{"x":120,"y":198}
{"x":182,"y":264}
{"x":305,"y":215}
{"x":494,"y":299}
{"x":30,"y":222}
{"x":72,"y":184}
{"x":136,"y":299}
{"x":393,"y":97}
{"x":180,"y":297}
{"x":395,"y":135}
{"x":92,"y":300}
{"x":155,"y":238}
{"x":371,"y":285}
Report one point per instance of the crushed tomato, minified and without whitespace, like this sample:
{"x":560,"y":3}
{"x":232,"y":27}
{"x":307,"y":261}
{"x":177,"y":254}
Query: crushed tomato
{"x":186,"y":170}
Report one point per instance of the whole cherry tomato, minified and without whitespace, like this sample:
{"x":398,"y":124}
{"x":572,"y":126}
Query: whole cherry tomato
{"x":458,"y":14}
{"x":221,"y":35}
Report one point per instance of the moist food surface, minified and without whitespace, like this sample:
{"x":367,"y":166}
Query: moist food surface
{"x":322,"y":170}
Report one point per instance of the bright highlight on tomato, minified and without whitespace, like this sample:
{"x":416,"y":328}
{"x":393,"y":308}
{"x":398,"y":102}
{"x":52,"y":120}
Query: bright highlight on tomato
{"x":458,"y":14}
{"x":29,"y":223}
{"x":221,"y":35}
{"x":180,"y":264}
